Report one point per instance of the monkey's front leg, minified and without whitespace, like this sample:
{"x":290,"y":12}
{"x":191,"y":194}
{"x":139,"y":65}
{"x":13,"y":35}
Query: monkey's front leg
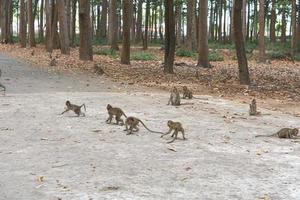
{"x":166,"y":133}
{"x":109,"y":119}
{"x":65,"y":111}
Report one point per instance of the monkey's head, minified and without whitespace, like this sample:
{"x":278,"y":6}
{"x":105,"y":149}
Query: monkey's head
{"x":174,"y":89}
{"x":68,"y":103}
{"x":295,"y":131}
{"x":170,"y":122}
{"x":108,"y":107}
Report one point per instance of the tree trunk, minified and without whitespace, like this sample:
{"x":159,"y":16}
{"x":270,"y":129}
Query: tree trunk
{"x":298,"y":29}
{"x":125,"y":55}
{"x":23,"y":25}
{"x":203,"y":39}
{"x":273,"y":22}
{"x":145,"y":38}
{"x":73,"y":23}
{"x":178,"y":23}
{"x":169,"y":36}
{"x":224,"y":22}
{"x":139,"y":21}
{"x":85,"y":47}
{"x":244,"y":27}
{"x":240,"y":43}
{"x":220,"y":21}
{"x":294,"y":26}
{"x":113,"y":25}
{"x":191,"y":43}
{"x":261,"y":41}
{"x":41,"y":27}
{"x":30,"y":24}
{"x":283,"y":26}
{"x":48,"y":9}
{"x":63,"y":28}
{"x":54,"y":28}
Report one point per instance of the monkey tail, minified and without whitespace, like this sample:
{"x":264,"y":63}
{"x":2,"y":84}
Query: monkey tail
{"x":266,"y":135}
{"x":124,"y":114}
{"x":84,"y":107}
{"x":149,"y":129}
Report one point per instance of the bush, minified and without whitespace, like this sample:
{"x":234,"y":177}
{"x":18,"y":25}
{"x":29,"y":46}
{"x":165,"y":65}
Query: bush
{"x":106,"y":52}
{"x":142,"y":56}
{"x":185,"y":53}
{"x":215,"y":56}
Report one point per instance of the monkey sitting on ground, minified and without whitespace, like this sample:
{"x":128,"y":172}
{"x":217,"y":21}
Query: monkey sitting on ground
{"x":133,"y":122}
{"x":174,"y":97}
{"x":176,"y":127}
{"x":76,"y":109}
{"x":2,"y":86}
{"x":187,"y":93}
{"x":253,"y":108}
{"x":288,"y":133}
{"x":114,"y":111}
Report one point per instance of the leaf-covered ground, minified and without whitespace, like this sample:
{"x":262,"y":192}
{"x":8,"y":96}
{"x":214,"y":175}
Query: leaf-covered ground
{"x":275,"y":80}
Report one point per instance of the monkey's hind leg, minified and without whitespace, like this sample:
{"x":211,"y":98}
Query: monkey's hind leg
{"x":175,"y":133}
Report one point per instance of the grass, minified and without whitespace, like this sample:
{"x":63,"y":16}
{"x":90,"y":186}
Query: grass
{"x":106,"y":52}
{"x":144,"y":56}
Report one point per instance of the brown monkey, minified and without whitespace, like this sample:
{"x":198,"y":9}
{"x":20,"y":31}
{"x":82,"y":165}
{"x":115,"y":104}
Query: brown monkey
{"x":253,"y":108}
{"x":288,"y":133}
{"x":133,"y":122}
{"x":114,"y":111}
{"x":187,"y":93}
{"x":176,"y":127}
{"x":174,"y":97}
{"x":33,"y":52}
{"x":76,"y":109}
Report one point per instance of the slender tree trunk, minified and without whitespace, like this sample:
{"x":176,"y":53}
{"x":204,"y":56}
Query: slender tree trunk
{"x":169,"y":36}
{"x":160,"y":20}
{"x":240,"y":43}
{"x":145,"y":38}
{"x":139,"y":21}
{"x":113,"y":25}
{"x":211,"y":22}
{"x":244,"y":19}
{"x":63,"y":28}
{"x":85,"y":47}
{"x":54,"y":28}
{"x":294,"y":26}
{"x":261,"y":41}
{"x":30,"y":24}
{"x":98,"y":22}
{"x":191,"y":43}
{"x":41,"y":27}
{"x":73,"y":23}
{"x":125,"y":54}
{"x":224,"y":22}
{"x":298,"y":28}
{"x":49,"y":46}
{"x":203,"y":39}
{"x":178,"y":23}
{"x":283,"y":26}
{"x":273,"y":22}
{"x":220,"y":21}
{"x":23,"y":25}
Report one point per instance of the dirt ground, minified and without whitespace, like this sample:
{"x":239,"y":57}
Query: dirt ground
{"x":48,"y":156}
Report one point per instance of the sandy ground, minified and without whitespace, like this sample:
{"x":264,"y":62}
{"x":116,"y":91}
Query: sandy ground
{"x":48,"y":156}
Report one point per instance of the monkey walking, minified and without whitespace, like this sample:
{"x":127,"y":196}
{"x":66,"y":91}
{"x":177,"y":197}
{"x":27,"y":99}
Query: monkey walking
{"x":176,"y":127}
{"x":174,"y":97}
{"x":76,"y":109}
{"x":133,"y":122}
{"x":117,"y":112}
{"x":288,"y":133}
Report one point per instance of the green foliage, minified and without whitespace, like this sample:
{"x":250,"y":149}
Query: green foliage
{"x":106,"y":52}
{"x":185,"y":53}
{"x":215,"y":56}
{"x":297,"y":57}
{"x":143,"y":56}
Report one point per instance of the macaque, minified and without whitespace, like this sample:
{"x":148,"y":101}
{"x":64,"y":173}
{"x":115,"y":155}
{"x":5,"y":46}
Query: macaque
{"x":76,"y":109}
{"x":174,"y":97}
{"x":114,"y":111}
{"x":187,"y":93}
{"x":2,"y":86}
{"x":288,"y":133}
{"x":253,"y":108}
{"x":133,"y":122}
{"x":176,"y":127}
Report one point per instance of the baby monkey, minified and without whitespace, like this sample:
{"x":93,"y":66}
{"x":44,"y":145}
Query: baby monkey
{"x":76,"y":109}
{"x":288,"y":133}
{"x":176,"y":127}
{"x":117,"y":112}
{"x":133,"y":122}
{"x":187,"y":93}
{"x":2,"y":86}
{"x":174,"y":97}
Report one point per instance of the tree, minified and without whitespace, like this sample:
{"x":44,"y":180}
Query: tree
{"x":113,"y":25}
{"x":294,"y":26}
{"x":203,"y":39}
{"x":63,"y":28}
{"x":273,"y":22}
{"x":145,"y":38}
{"x":240,"y":43}
{"x":169,"y":36}
{"x":125,"y":55}
{"x":103,"y":20}
{"x":23,"y":25}
{"x":41,"y":25}
{"x":6,"y":14}
{"x":261,"y":41}
{"x":31,"y":34}
{"x":191,"y":43}
{"x":85,"y":46}
{"x":139,"y":21}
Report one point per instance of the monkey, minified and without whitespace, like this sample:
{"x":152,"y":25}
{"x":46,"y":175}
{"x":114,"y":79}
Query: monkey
{"x":33,"y":52}
{"x":174,"y":97}
{"x":117,"y":112}
{"x":288,"y":133}
{"x":53,"y":62}
{"x":177,"y":127}
{"x":133,"y":122}
{"x":2,"y":86}
{"x":187,"y":93}
{"x":253,"y":108}
{"x":75,"y":108}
